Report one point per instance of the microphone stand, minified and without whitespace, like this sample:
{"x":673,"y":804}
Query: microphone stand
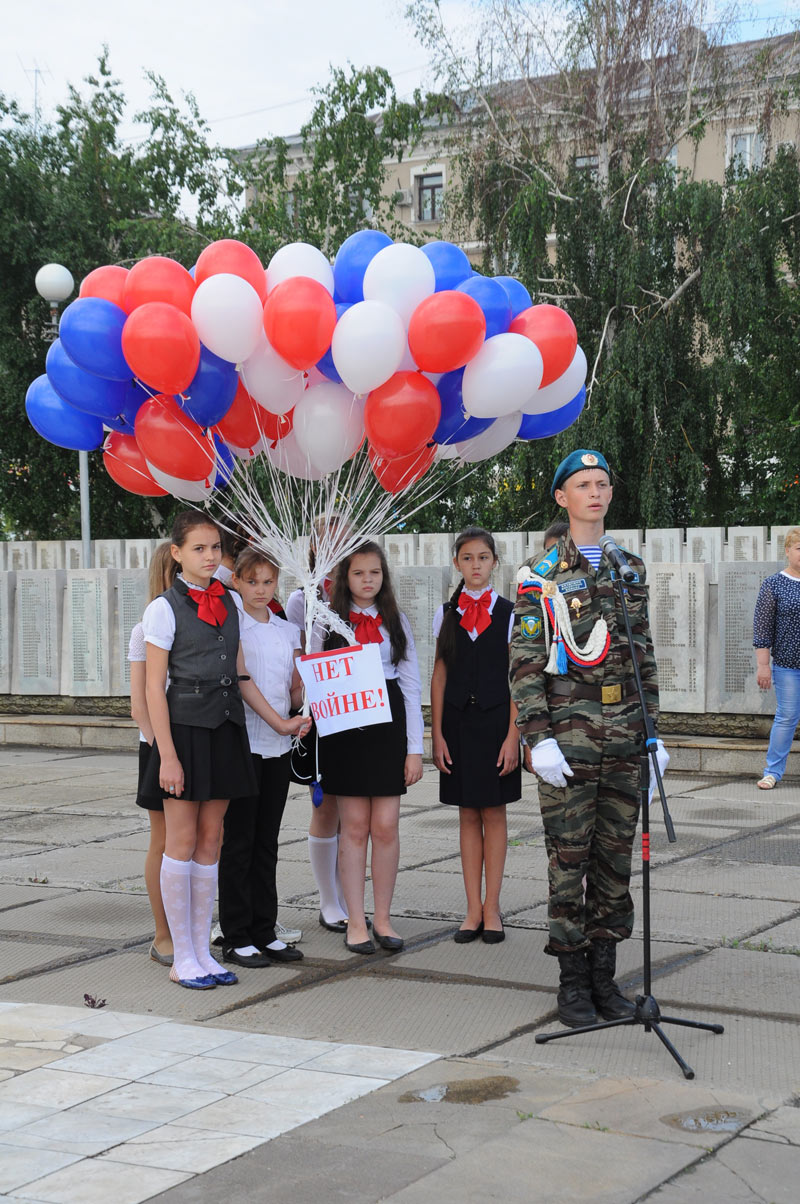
{"x":647,"y":1012}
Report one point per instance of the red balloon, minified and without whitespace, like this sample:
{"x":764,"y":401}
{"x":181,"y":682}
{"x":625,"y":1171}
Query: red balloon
{"x":126,"y":465}
{"x":402,"y":471}
{"x":244,"y":421}
{"x":107,"y":282}
{"x":299,"y":320}
{"x":553,"y":332}
{"x":446,"y":330}
{"x":161,"y":347}
{"x":401,"y":415}
{"x":230,"y":255}
{"x":158,"y":279}
{"x":172,"y":441}
{"x":276,"y":426}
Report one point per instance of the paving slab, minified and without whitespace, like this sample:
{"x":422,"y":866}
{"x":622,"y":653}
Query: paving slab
{"x":426,"y":892}
{"x":744,"y":1172}
{"x":130,"y":982}
{"x":783,"y":936}
{"x":89,"y":913}
{"x":779,"y":847}
{"x":20,"y":957}
{"x":781,"y":1125}
{"x":721,"y":875}
{"x":86,"y":865}
{"x":56,"y":828}
{"x":696,"y":919}
{"x":443,"y":1017}
{"x":96,"y":1181}
{"x":321,"y":945}
{"x":521,"y":959}
{"x":620,"y":1169}
{"x":57,"y":793}
{"x":759,"y":1057}
{"x":739,"y":980}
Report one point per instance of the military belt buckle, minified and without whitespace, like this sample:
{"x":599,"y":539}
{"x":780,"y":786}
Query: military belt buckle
{"x":610,"y":694}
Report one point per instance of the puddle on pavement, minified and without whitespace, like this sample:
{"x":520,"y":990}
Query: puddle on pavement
{"x":709,"y":1120}
{"x":465,"y":1091}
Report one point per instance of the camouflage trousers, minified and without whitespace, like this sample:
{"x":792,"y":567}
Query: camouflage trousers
{"x":590,"y":825}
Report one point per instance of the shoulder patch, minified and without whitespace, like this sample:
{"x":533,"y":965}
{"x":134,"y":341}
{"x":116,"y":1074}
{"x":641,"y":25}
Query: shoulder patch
{"x":530,"y":627}
{"x":547,"y":563}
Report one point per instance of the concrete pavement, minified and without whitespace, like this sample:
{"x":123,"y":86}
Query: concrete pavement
{"x":413,"y":1077}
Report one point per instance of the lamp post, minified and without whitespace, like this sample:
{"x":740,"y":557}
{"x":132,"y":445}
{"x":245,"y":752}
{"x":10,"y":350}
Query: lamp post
{"x":54,"y":282}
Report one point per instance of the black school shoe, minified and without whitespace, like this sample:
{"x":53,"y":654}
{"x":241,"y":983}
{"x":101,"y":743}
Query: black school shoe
{"x":289,"y":954}
{"x":254,"y":960}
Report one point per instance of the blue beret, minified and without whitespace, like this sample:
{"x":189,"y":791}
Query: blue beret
{"x":575,"y":462}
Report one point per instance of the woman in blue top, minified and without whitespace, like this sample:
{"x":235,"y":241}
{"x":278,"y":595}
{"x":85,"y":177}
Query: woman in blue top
{"x":776,"y":630}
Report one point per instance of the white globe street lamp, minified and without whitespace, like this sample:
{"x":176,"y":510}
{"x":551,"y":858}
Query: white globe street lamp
{"x":54,"y":282}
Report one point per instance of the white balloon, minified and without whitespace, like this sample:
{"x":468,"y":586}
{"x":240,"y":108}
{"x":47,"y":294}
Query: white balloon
{"x":368,"y":344}
{"x":328,"y":425}
{"x":299,"y":259}
{"x":228,"y":316}
{"x":54,"y":282}
{"x":188,"y":491}
{"x":561,"y":390}
{"x":274,"y":384}
{"x":400,"y":276}
{"x":494,"y":439}
{"x":446,"y":451}
{"x":502,"y":377}
{"x":248,"y":453}
{"x":287,"y":456}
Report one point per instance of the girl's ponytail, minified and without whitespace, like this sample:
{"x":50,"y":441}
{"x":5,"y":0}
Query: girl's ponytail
{"x":446,"y":642}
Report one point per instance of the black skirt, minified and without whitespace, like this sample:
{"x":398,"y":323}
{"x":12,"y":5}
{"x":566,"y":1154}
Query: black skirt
{"x":367,"y":761}
{"x":474,"y":739}
{"x":216,"y":763}
{"x":149,"y":804}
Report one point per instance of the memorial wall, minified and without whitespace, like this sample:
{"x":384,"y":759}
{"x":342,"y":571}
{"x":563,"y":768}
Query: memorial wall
{"x":64,"y":630}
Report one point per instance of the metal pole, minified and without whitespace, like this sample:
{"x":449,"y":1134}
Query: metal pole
{"x":86,"y":531}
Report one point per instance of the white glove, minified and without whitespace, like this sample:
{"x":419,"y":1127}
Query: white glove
{"x":662,"y":756}
{"x":549,"y":762}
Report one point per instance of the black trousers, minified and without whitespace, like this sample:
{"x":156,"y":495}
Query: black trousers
{"x":248,"y":895}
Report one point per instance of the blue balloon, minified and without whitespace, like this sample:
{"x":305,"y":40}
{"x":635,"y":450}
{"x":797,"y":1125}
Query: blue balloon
{"x":92,"y":394}
{"x":210,"y":394}
{"x":455,"y":424}
{"x":542,"y":426}
{"x":225,"y":462}
{"x":493,"y":300}
{"x":450,"y":264}
{"x":326,"y":365}
{"x":91,"y":333}
{"x":352,"y":259}
{"x":192,"y":270}
{"x":135,"y":395}
{"x":58,"y":422}
{"x":518,"y":295}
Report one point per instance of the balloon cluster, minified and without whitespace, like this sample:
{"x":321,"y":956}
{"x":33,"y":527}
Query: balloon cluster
{"x":176,"y":373}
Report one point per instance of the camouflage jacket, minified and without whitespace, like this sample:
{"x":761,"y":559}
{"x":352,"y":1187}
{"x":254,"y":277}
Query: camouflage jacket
{"x":591,"y":595}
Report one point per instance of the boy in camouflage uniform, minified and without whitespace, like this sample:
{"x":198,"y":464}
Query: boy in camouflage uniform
{"x":579,"y":716}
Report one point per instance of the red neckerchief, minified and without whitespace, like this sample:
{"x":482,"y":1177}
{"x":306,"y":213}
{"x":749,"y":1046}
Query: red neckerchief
{"x":210,"y":607}
{"x":476,"y":611}
{"x":276,"y":607}
{"x":366,"y":627}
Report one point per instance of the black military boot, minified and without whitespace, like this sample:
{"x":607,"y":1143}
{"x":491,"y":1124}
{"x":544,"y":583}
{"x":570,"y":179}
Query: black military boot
{"x":575,"y":1007}
{"x":606,"y":995}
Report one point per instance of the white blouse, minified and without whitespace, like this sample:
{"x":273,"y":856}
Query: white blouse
{"x":473,"y":635}
{"x":158,"y":620}
{"x":269,"y":650}
{"x":406,"y":673}
{"x":137,"y":653}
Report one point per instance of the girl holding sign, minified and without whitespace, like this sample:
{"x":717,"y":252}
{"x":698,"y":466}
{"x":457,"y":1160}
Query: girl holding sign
{"x":475,"y":738}
{"x":369,"y":768}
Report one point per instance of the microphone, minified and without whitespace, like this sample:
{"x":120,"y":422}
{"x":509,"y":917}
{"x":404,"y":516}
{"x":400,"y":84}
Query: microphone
{"x":616,"y":557}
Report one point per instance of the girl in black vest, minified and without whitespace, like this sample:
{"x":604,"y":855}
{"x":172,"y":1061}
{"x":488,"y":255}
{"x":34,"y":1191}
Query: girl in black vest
{"x":475,"y":738}
{"x":201,"y":755}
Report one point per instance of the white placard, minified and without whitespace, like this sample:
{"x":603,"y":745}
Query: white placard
{"x":346,"y":688}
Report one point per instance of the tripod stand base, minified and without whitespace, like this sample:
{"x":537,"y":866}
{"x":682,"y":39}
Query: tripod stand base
{"x":648,"y":1014}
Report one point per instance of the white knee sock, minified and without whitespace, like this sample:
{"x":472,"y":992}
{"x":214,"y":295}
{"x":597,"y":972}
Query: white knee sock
{"x":339,"y":890}
{"x":204,"y":892}
{"x":323,"y":853}
{"x":176,"y":891}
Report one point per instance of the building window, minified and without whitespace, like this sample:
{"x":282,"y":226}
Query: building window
{"x":430,"y":190}
{"x":746,"y":150}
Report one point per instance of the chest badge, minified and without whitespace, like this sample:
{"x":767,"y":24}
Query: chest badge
{"x":575,"y":607}
{"x":564,"y":566}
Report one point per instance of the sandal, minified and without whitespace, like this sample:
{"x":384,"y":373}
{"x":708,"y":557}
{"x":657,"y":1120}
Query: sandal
{"x":768,"y":782}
